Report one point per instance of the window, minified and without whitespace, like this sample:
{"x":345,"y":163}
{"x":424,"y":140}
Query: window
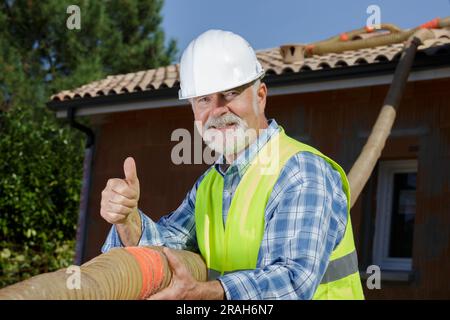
{"x":396,"y":210}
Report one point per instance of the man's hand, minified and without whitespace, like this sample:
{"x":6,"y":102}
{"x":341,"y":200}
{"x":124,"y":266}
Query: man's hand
{"x":183,"y":286}
{"x":119,"y":204}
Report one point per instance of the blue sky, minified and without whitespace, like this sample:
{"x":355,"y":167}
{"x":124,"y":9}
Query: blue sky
{"x":267,"y":24}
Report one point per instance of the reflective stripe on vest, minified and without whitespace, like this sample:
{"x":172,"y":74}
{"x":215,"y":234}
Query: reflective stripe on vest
{"x":214,"y":274}
{"x":341,"y":268}
{"x":235,"y":246}
{"x":336,"y":270}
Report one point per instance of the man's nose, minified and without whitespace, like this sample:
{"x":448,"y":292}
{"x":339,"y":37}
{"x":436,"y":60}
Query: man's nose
{"x":220,"y":106}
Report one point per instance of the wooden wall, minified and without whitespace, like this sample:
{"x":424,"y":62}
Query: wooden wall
{"x":336,"y":122}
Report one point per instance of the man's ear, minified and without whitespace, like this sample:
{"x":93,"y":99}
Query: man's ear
{"x":262,"y":97}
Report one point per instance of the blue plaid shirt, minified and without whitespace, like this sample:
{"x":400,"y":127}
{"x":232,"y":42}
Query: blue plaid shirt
{"x":305,"y":219}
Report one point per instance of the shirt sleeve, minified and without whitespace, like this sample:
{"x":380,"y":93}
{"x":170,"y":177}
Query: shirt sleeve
{"x":305,"y":219}
{"x":175,"y":230}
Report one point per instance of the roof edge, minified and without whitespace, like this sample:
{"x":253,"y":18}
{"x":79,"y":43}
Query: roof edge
{"x":316,"y":77}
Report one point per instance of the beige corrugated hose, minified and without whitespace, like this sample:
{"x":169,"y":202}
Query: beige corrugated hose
{"x":364,"y":165}
{"x":341,"y":43}
{"x":122,"y":273}
{"x":357,"y":39}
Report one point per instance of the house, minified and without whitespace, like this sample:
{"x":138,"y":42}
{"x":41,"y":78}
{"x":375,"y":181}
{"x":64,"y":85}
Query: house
{"x":402,"y":219}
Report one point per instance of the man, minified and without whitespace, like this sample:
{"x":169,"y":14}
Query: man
{"x":282,"y":233}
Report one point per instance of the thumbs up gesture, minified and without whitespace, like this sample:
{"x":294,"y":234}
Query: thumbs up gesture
{"x":120,"y":196}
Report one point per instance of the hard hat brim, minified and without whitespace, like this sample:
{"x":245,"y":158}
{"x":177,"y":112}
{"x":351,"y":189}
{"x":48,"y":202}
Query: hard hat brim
{"x":260,"y":75}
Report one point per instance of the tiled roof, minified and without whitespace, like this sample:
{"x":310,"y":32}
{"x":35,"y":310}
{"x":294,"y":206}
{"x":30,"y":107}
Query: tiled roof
{"x":271,"y":60}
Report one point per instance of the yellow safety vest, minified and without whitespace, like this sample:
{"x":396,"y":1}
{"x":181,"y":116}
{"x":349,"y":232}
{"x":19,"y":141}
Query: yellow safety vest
{"x":236,"y":246}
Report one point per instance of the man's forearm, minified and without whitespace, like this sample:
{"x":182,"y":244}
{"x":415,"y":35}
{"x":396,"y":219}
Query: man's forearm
{"x":130,"y":231}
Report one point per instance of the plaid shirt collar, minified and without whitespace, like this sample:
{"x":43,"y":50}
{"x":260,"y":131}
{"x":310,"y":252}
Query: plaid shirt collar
{"x":243,"y":161}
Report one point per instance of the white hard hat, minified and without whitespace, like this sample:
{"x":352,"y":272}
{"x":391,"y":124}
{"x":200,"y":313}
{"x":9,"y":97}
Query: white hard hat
{"x":216,"y":61}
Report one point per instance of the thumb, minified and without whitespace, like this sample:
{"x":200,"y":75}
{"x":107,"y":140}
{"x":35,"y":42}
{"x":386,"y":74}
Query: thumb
{"x":174,"y":263}
{"x":129,"y":167}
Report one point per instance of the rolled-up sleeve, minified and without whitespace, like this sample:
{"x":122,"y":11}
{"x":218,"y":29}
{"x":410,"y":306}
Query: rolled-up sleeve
{"x":305,"y":220}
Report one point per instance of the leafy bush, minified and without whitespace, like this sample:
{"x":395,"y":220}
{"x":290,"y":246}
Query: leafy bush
{"x":41,"y":171}
{"x":19,"y":263}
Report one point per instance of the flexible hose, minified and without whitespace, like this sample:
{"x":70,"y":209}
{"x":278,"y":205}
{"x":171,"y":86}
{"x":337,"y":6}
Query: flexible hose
{"x":337,"y":47}
{"x":355,"y":39}
{"x":339,"y":43}
{"x":349,"y":35}
{"x":122,"y":273}
{"x":364,"y":165}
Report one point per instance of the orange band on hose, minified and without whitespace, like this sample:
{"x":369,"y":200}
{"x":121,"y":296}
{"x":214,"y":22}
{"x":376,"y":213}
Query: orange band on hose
{"x":344,"y":36}
{"x":152,"y":269}
{"x":309,"y":49}
{"x":369,"y":29}
{"x":433,"y":24}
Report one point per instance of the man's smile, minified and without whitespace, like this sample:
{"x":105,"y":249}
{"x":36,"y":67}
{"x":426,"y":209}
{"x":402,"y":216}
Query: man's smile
{"x":228,"y":126}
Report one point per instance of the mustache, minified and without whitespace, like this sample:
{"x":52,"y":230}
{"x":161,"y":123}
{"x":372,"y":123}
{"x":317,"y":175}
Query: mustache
{"x":223,"y":121}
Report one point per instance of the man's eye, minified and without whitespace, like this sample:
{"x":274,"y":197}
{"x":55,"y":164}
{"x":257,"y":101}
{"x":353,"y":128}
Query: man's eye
{"x":231,"y":94}
{"x":203,"y":99}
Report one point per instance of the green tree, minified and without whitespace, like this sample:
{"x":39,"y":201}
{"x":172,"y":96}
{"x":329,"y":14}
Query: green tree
{"x":41,"y":157}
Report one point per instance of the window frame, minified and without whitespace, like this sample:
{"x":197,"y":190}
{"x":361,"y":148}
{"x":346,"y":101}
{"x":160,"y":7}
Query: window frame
{"x":383,"y":220}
